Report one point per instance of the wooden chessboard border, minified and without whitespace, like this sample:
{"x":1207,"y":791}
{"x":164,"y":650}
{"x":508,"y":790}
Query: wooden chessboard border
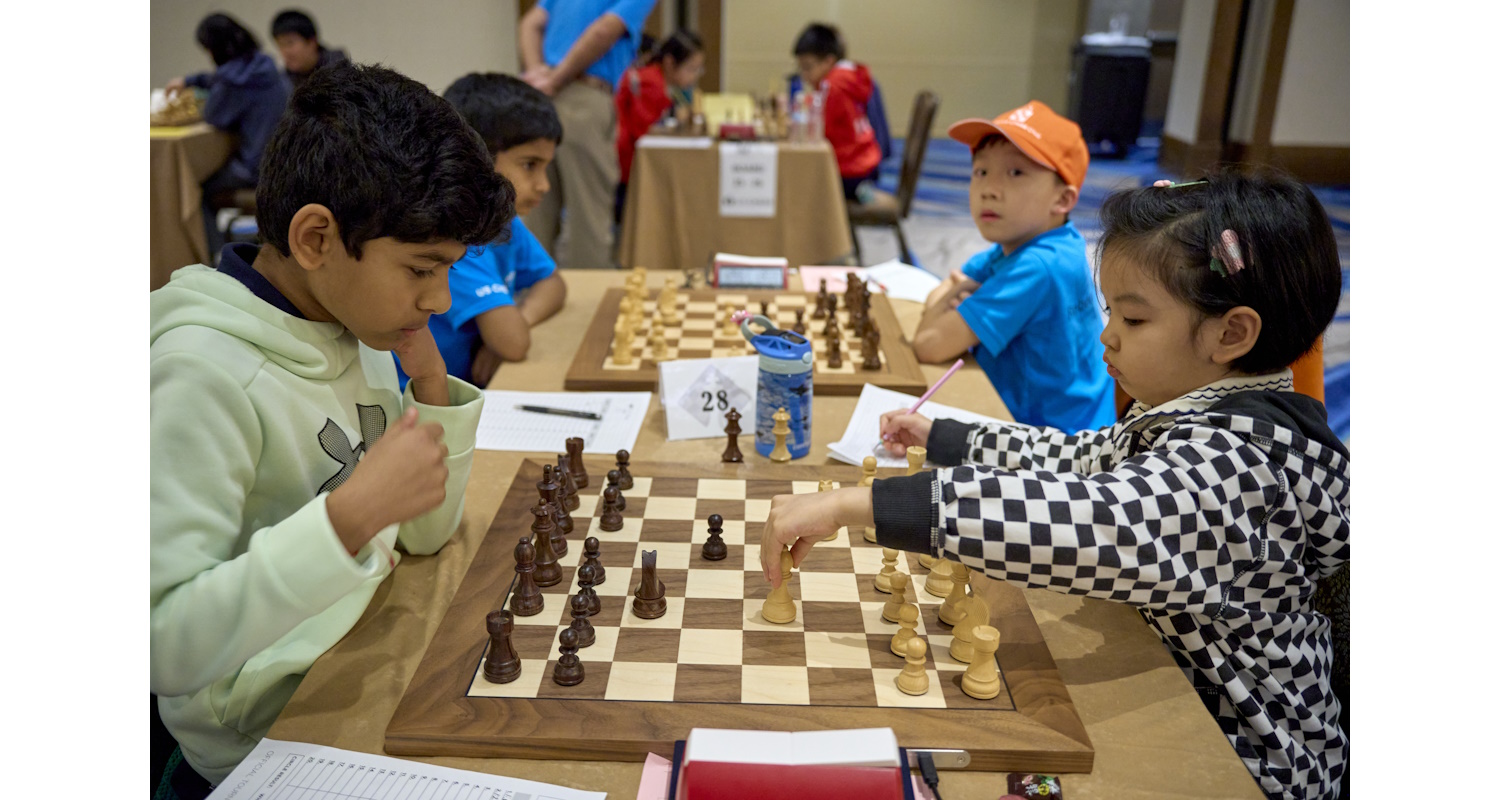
{"x":901,"y":372}
{"x":437,"y":717}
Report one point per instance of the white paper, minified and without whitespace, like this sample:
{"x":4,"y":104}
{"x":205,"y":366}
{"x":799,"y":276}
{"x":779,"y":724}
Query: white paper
{"x":903,"y":281}
{"x":863,"y":432}
{"x":747,"y":179}
{"x":277,"y":770}
{"x":504,"y":427}
{"x":684,"y":382}
{"x":675,"y":142}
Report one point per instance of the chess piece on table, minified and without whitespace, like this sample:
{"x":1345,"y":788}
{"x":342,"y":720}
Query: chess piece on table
{"x":915,"y":458}
{"x":620,"y":351}
{"x":981,"y":680}
{"x":579,"y":606}
{"x":548,"y":573}
{"x":799,"y":327}
{"x":567,"y":491}
{"x":612,"y":478}
{"x":729,"y":329}
{"x":866,"y":480}
{"x":831,"y":330}
{"x":779,"y":608}
{"x":659,"y":351}
{"x":651,"y":596}
{"x":939,"y":581}
{"x":622,"y":463}
{"x":892,"y":610}
{"x":835,"y":358}
{"x":869,"y":350}
{"x":569,"y":670}
{"x":575,"y":463}
{"x":781,"y":429}
{"x":954,"y":608}
{"x":732,"y":454}
{"x":587,"y":579}
{"x":888,"y":558}
{"x":526,"y":598}
{"x":827,"y":486}
{"x":610,"y":519}
{"x":562,"y":522}
{"x":913,"y":677}
{"x":591,"y":558}
{"x":820,"y":308}
{"x":764,"y":309}
{"x":977,"y":615}
{"x":714,"y":549}
{"x":908,"y":630}
{"x":501,"y":664}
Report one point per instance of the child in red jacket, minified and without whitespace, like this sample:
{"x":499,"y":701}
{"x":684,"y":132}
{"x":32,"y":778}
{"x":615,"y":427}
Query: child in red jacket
{"x":646,"y":91}
{"x":846,"y":88}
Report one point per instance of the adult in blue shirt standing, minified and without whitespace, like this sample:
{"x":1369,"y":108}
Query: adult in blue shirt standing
{"x":246,"y":97}
{"x":575,"y":52}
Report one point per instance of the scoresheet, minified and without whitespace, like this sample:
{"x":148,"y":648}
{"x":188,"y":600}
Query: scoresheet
{"x":502,"y":426}
{"x":863,"y":432}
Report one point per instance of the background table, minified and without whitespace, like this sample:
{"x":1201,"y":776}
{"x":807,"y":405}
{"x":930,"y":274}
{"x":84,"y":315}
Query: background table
{"x":1152,"y":736}
{"x":181,"y":158}
{"x":672,"y":210}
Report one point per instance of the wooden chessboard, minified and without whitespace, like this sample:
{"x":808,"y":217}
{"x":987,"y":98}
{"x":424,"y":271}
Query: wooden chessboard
{"x":700,"y":334}
{"x":712,"y":661}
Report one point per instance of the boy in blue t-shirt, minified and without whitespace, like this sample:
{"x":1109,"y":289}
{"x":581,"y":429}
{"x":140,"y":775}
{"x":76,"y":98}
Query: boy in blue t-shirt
{"x":1026,"y":307}
{"x":502,"y":290}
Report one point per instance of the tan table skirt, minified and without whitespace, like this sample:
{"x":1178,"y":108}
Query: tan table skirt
{"x":672,"y":210}
{"x":1153,"y":739}
{"x":181,"y":158}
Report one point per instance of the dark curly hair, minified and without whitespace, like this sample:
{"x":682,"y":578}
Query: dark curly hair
{"x":1292,"y":276}
{"x":387,"y":157}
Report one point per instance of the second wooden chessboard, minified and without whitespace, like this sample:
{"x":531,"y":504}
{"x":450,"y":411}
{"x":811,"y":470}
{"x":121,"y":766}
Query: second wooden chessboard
{"x":700,"y":333}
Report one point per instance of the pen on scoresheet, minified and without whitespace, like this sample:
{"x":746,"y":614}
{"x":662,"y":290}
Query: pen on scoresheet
{"x":561,"y":412}
{"x":935,"y":387}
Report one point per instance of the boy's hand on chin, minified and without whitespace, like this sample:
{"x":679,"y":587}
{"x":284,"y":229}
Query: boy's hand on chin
{"x":423,"y":362}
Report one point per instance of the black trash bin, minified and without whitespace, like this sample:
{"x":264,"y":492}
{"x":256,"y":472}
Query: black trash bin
{"x":1107,"y":94}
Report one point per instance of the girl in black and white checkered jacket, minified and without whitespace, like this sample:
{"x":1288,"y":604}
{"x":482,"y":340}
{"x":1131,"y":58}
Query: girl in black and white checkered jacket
{"x":1215,"y":505}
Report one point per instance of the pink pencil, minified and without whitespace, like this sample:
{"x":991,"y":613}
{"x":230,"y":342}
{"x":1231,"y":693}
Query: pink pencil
{"x":935,"y":387}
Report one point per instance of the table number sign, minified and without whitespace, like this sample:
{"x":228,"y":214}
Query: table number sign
{"x":697,"y":393}
{"x":747,"y":179}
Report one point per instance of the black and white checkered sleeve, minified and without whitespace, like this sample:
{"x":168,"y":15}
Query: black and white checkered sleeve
{"x":1013,"y":446}
{"x":1167,"y":529}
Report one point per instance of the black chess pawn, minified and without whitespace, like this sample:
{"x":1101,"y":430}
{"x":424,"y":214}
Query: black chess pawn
{"x":732,"y":454}
{"x":569,"y":670}
{"x":831,"y":330}
{"x":591,"y":558}
{"x":501,"y":664}
{"x":820,"y":305}
{"x":870,"y":351}
{"x":587,"y":580}
{"x":799,"y":327}
{"x":548,"y":573}
{"x":579,"y":607}
{"x":612,"y":479}
{"x":764,"y":310}
{"x":611,"y":521}
{"x":568,"y":490}
{"x":835,"y":358}
{"x":714,"y":549}
{"x":526,"y":599}
{"x":622,"y":462}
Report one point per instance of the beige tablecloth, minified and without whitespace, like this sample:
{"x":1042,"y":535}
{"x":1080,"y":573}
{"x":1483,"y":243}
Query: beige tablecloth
{"x":672,"y":210}
{"x":181,"y":158}
{"x":1152,"y":737}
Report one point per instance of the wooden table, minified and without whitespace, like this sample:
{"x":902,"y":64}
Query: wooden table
{"x":1152,"y":736}
{"x":181,"y":158}
{"x":672,"y":210}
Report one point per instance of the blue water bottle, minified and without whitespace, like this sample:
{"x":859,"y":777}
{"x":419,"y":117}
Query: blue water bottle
{"x":786,"y":381}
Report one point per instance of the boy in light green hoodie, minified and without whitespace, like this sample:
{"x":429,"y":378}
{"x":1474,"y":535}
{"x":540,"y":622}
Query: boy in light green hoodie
{"x":286,"y":464}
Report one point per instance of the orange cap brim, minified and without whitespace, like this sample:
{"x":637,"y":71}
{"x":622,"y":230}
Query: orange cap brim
{"x":973,"y":131}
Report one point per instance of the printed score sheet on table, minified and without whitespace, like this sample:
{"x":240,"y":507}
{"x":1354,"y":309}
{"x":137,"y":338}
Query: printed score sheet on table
{"x":502,"y":426}
{"x":863,"y":432}
{"x":277,"y":770}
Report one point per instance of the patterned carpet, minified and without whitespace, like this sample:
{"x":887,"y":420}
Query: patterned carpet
{"x":942,"y":236}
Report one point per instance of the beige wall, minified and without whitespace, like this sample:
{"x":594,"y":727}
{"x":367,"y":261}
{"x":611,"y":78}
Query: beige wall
{"x":1313,"y":105}
{"x":1185,"y":100}
{"x":434,"y":43}
{"x":982,"y":57}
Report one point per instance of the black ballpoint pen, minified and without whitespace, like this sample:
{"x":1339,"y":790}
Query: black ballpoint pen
{"x":561,"y":412}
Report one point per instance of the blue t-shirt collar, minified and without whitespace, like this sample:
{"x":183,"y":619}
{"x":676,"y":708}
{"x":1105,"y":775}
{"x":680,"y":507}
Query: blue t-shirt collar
{"x":1065,"y":229}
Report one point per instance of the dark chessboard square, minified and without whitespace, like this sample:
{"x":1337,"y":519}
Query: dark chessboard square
{"x":654,"y":645}
{"x":534,"y":641}
{"x":617,"y":558}
{"x":707,"y":683}
{"x":611,"y":611}
{"x":595,"y":680}
{"x":929,"y":615}
{"x":828,"y":559}
{"x":753,"y":532}
{"x":830,"y":617}
{"x":775,"y":648}
{"x":667,"y":530}
{"x":674,"y":579}
{"x":728,"y":509}
{"x":712,"y":614}
{"x":828,"y":686}
{"x":691,"y":352}
{"x":735,"y":560}
{"x":953,"y":694}
{"x":765,"y":490}
{"x":674,"y":487}
{"x":881,"y":656}
{"x":869,"y":594}
{"x":756,"y":587}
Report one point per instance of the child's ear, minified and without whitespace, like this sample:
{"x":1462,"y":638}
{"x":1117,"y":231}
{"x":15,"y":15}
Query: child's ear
{"x":313,"y":236}
{"x":1237,"y":332}
{"x":1067,"y":199}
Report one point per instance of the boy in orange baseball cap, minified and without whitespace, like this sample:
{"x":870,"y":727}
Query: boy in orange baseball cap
{"x":1026,"y":307}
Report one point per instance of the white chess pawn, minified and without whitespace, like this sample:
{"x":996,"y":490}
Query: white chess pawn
{"x":827,"y":486}
{"x":908,"y":631}
{"x":953,"y":608}
{"x":866,"y":480}
{"x":913,"y":677}
{"x":779,"y":606}
{"x":892,"y":610}
{"x":939,"y":581}
{"x":888,"y":558}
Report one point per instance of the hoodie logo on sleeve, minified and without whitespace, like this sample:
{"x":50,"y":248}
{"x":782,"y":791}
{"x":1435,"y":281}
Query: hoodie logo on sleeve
{"x":336,"y":443}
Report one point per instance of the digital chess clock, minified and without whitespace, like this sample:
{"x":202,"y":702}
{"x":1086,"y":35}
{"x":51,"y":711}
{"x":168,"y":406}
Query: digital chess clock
{"x":769,"y":273}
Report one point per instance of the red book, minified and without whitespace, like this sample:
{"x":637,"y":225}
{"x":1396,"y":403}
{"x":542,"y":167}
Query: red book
{"x":750,"y":765}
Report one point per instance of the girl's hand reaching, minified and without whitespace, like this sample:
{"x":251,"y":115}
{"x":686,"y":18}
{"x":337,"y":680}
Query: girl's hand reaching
{"x":900,"y":430}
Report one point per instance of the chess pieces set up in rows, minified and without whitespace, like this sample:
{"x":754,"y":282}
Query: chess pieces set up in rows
{"x":857,"y":302}
{"x":632,"y":313}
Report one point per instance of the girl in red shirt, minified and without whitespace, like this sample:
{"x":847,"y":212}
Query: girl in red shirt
{"x":648,"y":90}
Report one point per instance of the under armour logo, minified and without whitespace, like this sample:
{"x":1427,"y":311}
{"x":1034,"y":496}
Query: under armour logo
{"x":336,"y":444}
